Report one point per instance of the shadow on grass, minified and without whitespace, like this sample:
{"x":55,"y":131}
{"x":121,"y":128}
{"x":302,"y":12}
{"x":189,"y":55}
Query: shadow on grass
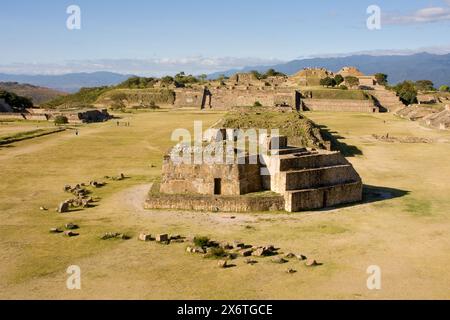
{"x":372,"y":194}
{"x":337,"y":144}
{"x":376,"y":194}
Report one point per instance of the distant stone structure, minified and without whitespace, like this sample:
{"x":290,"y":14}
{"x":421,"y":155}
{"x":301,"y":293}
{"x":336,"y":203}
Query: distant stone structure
{"x":73,"y":115}
{"x":278,"y":92}
{"x":299,"y":179}
{"x":365,"y":81}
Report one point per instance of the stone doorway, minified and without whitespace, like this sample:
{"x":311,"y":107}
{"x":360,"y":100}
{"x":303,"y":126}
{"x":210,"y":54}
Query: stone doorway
{"x":217,"y":186}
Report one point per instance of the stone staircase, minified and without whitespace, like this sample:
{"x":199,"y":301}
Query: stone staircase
{"x":314,"y":180}
{"x":387,"y":99}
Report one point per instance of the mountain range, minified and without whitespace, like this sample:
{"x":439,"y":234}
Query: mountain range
{"x":418,"y":66}
{"x":70,"y":82}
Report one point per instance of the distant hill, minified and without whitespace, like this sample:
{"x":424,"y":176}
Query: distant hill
{"x":71,"y":82}
{"x":412,"y":67}
{"x":37,"y":94}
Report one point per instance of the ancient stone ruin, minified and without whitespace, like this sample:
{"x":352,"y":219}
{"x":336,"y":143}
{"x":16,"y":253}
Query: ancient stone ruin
{"x":285,"y":178}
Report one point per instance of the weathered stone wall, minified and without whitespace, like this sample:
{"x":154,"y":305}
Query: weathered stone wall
{"x":339,"y":105}
{"x":323,"y":197}
{"x":11,"y":116}
{"x":36,"y":117}
{"x":227,"y":98}
{"x":216,"y":204}
{"x":200,"y":179}
{"x":189,"y":98}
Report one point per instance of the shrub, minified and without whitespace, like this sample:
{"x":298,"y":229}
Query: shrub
{"x":381,"y":78}
{"x":328,"y":82}
{"x":217,"y":253}
{"x":444,"y":88}
{"x":424,"y":85}
{"x":338,"y":79}
{"x":343,"y":87}
{"x":407,"y":92}
{"x":200,"y":241}
{"x":61,"y":120}
{"x":352,"y":81}
{"x":257,"y":104}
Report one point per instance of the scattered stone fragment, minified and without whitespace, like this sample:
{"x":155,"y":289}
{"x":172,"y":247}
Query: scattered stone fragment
{"x":189,"y":249}
{"x":71,"y":226}
{"x":55,"y":230}
{"x":301,"y":257}
{"x":279,"y":260}
{"x":63,"y":207}
{"x":162,"y":237}
{"x":238,"y":245}
{"x":291,"y":271}
{"x":226,"y":246}
{"x":312,"y":263}
{"x":289,"y":256}
{"x":114,"y":235}
{"x":265,"y":251}
{"x":175,"y":237}
{"x":145,"y":237}
{"x":246,"y":252}
{"x":222,"y":264}
{"x":67,"y":188}
{"x":199,"y":250}
{"x":70,"y":234}
{"x":43,"y":209}
{"x":251,"y":262}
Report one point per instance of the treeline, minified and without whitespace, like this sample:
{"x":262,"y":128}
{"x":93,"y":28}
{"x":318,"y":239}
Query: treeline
{"x":16,"y":102}
{"x":408,"y":90}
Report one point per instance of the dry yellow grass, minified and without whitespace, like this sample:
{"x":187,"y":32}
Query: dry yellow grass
{"x":407,"y":235}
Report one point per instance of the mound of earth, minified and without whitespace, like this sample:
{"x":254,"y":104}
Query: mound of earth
{"x":37,"y":94}
{"x":300,"y":130}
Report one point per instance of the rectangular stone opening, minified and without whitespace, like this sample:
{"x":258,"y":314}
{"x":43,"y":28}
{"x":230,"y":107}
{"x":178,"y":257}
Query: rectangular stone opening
{"x":217,"y":186}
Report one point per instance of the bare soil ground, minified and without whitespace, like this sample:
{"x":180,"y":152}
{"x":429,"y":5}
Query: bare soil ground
{"x":402,"y":226}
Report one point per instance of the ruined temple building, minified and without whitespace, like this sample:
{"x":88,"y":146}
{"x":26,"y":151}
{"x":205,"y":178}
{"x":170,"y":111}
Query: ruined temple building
{"x":285,"y":178}
{"x":278,"y":92}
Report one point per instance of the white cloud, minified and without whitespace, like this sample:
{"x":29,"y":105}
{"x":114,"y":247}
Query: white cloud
{"x":426,"y":15}
{"x":149,"y":67}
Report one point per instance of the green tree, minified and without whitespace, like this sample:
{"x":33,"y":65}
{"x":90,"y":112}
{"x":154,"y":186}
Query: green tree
{"x":203,"y":77}
{"x":273,"y":73}
{"x":424,"y":85}
{"x":16,"y":102}
{"x":61,"y":120}
{"x":328,"y":82}
{"x":351,"y":81}
{"x":444,"y":88}
{"x":407,"y":92}
{"x":382,"y":79}
{"x":339,"y":79}
{"x":256,"y":74}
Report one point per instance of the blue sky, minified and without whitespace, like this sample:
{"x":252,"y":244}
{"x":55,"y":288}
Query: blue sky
{"x":161,"y":36}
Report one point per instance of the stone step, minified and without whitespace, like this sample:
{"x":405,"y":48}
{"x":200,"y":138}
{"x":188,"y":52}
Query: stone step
{"x":311,"y":161}
{"x":318,"y":177}
{"x":310,"y":199}
{"x":287,"y":151}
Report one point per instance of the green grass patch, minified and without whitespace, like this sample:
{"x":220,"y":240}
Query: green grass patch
{"x":28,"y":135}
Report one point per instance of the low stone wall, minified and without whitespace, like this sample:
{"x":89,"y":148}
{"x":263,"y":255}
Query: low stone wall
{"x":11,"y":116}
{"x":339,"y":105}
{"x":324,"y":197}
{"x":216,"y":203}
{"x":36,"y":117}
